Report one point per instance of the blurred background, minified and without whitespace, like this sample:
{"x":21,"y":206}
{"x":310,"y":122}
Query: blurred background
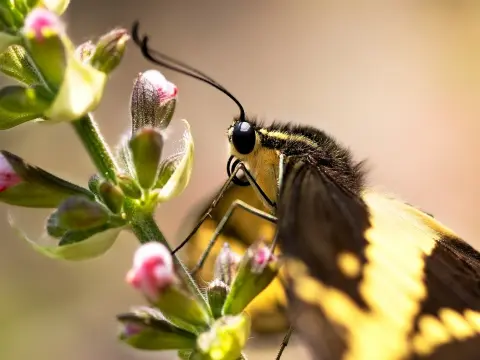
{"x":398,"y":81}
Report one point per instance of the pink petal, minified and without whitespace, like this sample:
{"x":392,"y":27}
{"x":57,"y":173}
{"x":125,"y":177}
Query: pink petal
{"x":166,"y":90}
{"x":8,"y":177}
{"x":152,"y":270}
{"x":41,"y":19}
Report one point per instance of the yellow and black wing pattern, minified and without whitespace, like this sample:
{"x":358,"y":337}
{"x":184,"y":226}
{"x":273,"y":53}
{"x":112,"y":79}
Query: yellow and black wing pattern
{"x":267,"y":310}
{"x":369,"y":277}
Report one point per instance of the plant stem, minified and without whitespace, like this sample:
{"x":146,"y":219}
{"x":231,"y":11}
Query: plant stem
{"x":146,"y":229}
{"x":96,"y":146}
{"x":142,"y":223}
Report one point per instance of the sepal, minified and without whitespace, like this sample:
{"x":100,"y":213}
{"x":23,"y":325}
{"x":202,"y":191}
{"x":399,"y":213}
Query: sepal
{"x":147,"y":329}
{"x":256,"y":271}
{"x":22,"y":184}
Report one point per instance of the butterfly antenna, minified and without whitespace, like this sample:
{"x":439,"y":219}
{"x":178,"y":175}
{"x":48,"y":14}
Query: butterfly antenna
{"x":175,"y":65}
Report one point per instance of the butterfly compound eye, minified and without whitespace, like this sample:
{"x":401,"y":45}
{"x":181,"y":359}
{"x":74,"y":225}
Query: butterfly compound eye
{"x":243,"y":137}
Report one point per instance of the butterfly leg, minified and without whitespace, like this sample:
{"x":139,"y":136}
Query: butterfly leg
{"x":235,"y":205}
{"x":284,"y":344}
{"x":258,"y":190}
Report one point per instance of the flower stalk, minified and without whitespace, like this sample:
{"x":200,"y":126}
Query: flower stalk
{"x":88,"y":132}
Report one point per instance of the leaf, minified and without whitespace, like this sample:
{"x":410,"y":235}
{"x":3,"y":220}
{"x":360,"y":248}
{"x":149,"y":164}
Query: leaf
{"x":91,"y":247}
{"x":19,"y":104}
{"x":146,"y":329}
{"x":38,"y":188}
{"x":16,"y":63}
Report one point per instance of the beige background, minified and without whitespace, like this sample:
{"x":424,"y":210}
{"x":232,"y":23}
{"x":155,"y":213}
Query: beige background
{"x":399,"y":81}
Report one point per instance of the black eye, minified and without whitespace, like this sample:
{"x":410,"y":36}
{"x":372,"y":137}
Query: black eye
{"x":243,"y":137}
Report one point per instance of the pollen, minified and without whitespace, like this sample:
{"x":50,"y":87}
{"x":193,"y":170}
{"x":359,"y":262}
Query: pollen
{"x":349,"y":264}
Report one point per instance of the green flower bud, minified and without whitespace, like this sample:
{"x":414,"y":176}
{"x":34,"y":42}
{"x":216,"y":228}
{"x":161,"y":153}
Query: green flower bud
{"x":225,"y":340}
{"x":256,"y":271}
{"x":147,"y":329}
{"x":112,"y":196}
{"x":217,"y":292}
{"x":19,"y":104}
{"x":109,"y":50}
{"x":22,"y":184}
{"x":153,"y":101}
{"x":129,"y":186}
{"x":146,"y":150}
{"x":79,"y":213}
{"x":76,"y":245}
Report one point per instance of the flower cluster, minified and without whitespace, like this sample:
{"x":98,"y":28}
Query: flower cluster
{"x":215,"y":329}
{"x":60,"y":83}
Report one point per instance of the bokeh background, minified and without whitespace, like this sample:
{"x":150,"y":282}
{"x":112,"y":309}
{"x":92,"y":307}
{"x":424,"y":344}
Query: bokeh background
{"x":398,"y":81}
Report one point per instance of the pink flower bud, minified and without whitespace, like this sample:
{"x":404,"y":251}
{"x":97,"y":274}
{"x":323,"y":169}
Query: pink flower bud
{"x":262,"y":256}
{"x":40,"y":21}
{"x":165,"y":89}
{"x":8,"y":177}
{"x":153,"y":101}
{"x":152,"y":270}
{"x":226,"y":264}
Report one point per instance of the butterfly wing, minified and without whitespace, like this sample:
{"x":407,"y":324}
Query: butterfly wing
{"x":369,"y":277}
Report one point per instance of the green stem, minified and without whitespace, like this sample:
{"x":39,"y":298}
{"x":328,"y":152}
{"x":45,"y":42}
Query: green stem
{"x":96,"y":146}
{"x":146,"y":229}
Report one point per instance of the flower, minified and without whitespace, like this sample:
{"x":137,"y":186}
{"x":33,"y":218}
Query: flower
{"x":256,"y":271}
{"x":40,"y":22}
{"x":165,"y":89}
{"x":153,"y":100}
{"x":226,"y":264}
{"x":261,"y":257}
{"x":152,"y":270}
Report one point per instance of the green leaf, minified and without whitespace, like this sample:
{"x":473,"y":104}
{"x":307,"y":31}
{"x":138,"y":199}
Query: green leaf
{"x":16,"y":63}
{"x":37,"y":188}
{"x":91,"y":247}
{"x":180,"y":178}
{"x":146,"y":329}
{"x":19,"y":104}
{"x":182,"y":309}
